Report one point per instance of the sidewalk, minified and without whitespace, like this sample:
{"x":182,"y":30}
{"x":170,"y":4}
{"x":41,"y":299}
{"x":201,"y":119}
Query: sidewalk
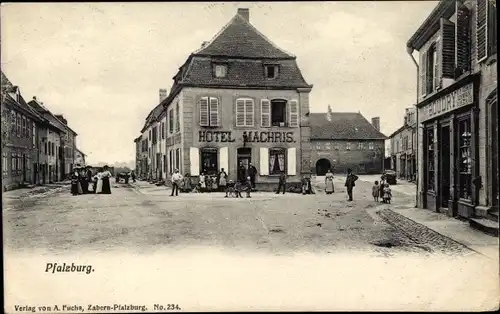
{"x":36,"y":191}
{"x":459,"y":231}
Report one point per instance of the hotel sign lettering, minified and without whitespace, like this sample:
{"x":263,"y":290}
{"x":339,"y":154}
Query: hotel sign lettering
{"x":459,"y":98}
{"x":250,"y":137}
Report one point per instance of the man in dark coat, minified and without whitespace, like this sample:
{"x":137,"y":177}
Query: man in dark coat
{"x":282,"y":182}
{"x":252,"y":172}
{"x":350,"y":183}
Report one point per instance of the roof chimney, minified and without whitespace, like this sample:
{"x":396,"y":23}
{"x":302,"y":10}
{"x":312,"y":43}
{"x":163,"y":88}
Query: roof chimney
{"x":329,"y":113}
{"x":376,"y":123}
{"x":245,"y":13}
{"x":163,"y":94}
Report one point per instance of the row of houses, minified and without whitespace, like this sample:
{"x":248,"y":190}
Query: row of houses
{"x":38,"y":147}
{"x":455,"y":133}
{"x":240,"y":99}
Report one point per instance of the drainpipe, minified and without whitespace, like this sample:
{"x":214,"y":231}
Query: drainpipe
{"x":410,"y":52}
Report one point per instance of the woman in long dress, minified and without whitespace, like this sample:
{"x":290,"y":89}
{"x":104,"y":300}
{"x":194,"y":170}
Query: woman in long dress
{"x":329,"y":188}
{"x":74,"y":183}
{"x":98,"y":187}
{"x":202,"y":182}
{"x":222,"y":180}
{"x":106,"y":175}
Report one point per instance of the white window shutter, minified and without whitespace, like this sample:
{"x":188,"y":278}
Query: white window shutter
{"x":265,"y":113}
{"x":214,"y":111}
{"x":249,"y":112}
{"x":203,"y":112}
{"x":264,"y":161}
{"x":423,"y":73}
{"x":194,"y":160}
{"x":224,"y":158}
{"x":291,"y":161}
{"x":294,"y":112}
{"x":240,"y":112}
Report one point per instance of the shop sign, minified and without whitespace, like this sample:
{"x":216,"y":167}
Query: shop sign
{"x":458,"y":98}
{"x":249,"y":137}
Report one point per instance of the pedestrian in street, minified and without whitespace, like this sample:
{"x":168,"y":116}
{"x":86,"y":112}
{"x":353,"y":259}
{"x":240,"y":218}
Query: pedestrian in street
{"x":222,"y":180}
{"x":84,"y":181}
{"x":329,"y":187}
{"x":375,"y":191}
{"x":133,"y":176}
{"x":203,"y":185}
{"x":74,"y":182}
{"x":381,"y":190}
{"x":215,"y":187}
{"x":88,"y":174}
{"x":248,"y":186}
{"x":387,"y":194}
{"x":252,"y":173}
{"x":98,"y":178}
{"x":176,"y":181}
{"x":106,"y":176}
{"x":186,"y":183}
{"x":281,"y":182}
{"x":350,"y":183}
{"x":208,"y":182}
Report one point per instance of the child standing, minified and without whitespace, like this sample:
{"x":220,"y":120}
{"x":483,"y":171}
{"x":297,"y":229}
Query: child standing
{"x":375,"y":191}
{"x":387,"y":194}
{"x":248,"y":186}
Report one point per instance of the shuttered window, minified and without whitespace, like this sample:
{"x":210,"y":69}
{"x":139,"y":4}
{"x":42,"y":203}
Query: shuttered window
{"x":294,"y":113}
{"x":447,"y":47}
{"x":244,"y":112}
{"x":462,"y":43}
{"x":264,"y":161}
{"x":171,"y":121}
{"x":435,"y":82}
{"x":423,"y":73}
{"x":292,"y":161}
{"x":482,"y":29}
{"x":209,"y":111}
{"x":265,"y":113}
{"x":177,"y":118}
{"x":194,"y":161}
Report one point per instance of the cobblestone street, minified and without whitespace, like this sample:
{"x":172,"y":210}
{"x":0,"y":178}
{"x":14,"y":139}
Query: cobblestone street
{"x":144,"y":218}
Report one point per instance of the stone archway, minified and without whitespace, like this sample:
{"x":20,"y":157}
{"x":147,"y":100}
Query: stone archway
{"x":322,"y":166}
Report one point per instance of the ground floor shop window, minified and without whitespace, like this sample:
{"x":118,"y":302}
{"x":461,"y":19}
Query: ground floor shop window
{"x":277,"y":158}
{"x":430,"y":160}
{"x":209,"y":161}
{"x":178,"y":159}
{"x":5,"y":166}
{"x":465,"y":159}
{"x":171,"y":161}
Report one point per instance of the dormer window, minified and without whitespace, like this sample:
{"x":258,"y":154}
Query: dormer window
{"x":220,"y":70}
{"x":271,"y":71}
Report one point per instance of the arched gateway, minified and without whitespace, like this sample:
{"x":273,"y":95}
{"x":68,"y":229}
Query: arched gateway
{"x":322,"y":166}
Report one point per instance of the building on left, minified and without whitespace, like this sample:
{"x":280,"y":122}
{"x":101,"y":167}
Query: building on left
{"x":32,"y":141}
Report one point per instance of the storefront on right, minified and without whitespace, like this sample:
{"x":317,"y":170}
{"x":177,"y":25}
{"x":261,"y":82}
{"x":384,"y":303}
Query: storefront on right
{"x":450,"y":156}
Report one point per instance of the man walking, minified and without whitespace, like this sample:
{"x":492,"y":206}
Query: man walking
{"x":176,"y":181}
{"x":252,"y":172}
{"x":350,"y":183}
{"x":282,"y":183}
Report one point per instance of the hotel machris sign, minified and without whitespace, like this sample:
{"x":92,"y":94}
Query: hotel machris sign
{"x":458,"y":98}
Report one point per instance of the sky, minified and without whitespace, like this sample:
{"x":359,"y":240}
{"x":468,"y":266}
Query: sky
{"x":101,"y":64}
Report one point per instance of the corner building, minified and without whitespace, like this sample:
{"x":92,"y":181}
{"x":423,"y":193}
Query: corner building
{"x":239,"y":99}
{"x":457,"y":109}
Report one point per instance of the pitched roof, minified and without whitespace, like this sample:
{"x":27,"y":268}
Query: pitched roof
{"x":53,"y":121}
{"x":10,"y":91}
{"x":244,"y":73}
{"x":343,"y":126}
{"x":239,"y":38}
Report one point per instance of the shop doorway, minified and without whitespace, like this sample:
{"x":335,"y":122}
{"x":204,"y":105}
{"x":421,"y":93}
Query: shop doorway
{"x":444,"y":173}
{"x":322,"y":166}
{"x":209,"y":161}
{"x":244,"y":157}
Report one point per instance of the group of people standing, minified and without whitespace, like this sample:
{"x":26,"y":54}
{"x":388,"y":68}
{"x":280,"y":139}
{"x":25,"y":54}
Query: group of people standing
{"x":350,"y":183}
{"x":83,"y":181}
{"x":382,"y":191}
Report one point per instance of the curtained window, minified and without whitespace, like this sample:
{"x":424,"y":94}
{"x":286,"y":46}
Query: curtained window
{"x":277,"y":158}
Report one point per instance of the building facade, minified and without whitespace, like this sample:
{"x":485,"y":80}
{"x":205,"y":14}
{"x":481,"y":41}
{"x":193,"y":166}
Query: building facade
{"x":457,"y":109}
{"x":238,"y":100}
{"x":346,"y":140}
{"x":403,"y":147}
{"x":19,"y":138}
{"x":68,"y":150}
